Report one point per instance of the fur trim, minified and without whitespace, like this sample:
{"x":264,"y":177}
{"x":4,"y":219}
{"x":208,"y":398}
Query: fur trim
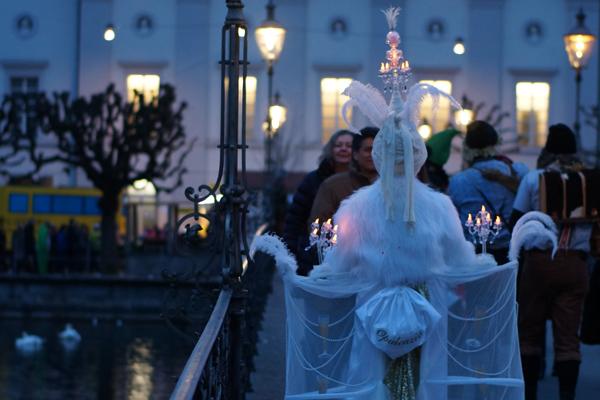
{"x":533,"y":230}
{"x":393,"y":252}
{"x":274,"y":246}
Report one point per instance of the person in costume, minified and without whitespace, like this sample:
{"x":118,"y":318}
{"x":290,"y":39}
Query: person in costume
{"x":486,"y":181}
{"x":552,"y":285}
{"x":438,"y":152}
{"x":401,"y":307}
{"x":335,"y":158}
{"x":336,"y":188}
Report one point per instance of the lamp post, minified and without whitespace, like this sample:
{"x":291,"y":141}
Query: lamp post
{"x":579,"y":43}
{"x":270,"y":36}
{"x":464,"y":116}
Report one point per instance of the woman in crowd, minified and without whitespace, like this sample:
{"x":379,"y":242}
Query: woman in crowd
{"x":335,"y":158}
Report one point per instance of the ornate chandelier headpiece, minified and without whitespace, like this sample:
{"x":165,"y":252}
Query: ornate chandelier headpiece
{"x":398,"y":149}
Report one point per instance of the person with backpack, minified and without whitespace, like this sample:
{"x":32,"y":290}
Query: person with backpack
{"x":489,"y":180}
{"x":552,"y":285}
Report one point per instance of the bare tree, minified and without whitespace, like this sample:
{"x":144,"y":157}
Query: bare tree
{"x":10,"y":135}
{"x":114,"y":142}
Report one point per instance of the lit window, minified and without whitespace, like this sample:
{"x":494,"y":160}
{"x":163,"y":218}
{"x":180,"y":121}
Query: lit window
{"x":533,"y":99}
{"x":332,"y":101}
{"x":25,"y":85}
{"x":251,"y":83}
{"x":148,"y":85}
{"x":439,"y":118}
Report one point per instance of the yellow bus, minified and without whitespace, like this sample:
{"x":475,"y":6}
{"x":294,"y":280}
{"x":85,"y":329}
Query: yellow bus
{"x":57,"y":206}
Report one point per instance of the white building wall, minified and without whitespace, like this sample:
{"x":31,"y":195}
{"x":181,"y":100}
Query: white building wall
{"x":185,"y":46}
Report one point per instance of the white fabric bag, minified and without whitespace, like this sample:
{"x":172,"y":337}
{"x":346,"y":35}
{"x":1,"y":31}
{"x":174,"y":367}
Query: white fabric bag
{"x":397,"y":320}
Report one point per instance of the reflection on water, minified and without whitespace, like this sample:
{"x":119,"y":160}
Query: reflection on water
{"x":139,"y":366}
{"x":135,"y":361}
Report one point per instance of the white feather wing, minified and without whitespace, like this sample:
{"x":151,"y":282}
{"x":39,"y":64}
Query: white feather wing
{"x":369,"y":101}
{"x":531,"y":234}
{"x":415,"y":96}
{"x":537,"y":216}
{"x":274,"y":246}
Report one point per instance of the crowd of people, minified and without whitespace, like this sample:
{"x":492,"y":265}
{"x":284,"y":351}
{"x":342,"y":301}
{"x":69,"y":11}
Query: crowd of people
{"x":46,"y":248}
{"x":548,"y":287}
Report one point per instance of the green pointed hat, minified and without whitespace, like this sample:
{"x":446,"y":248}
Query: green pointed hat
{"x":440,"y":146}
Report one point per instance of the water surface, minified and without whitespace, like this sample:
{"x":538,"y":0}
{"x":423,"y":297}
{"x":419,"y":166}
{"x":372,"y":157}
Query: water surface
{"x":114,"y":360}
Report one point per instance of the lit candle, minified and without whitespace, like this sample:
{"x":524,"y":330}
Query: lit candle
{"x":478,"y":221}
{"x":335,"y":229}
{"x":382,"y":68}
{"x":488,"y":218}
{"x":334,"y":239}
{"x":328,"y":221}
{"x":497,"y":222}
{"x":469,"y":219}
{"x":315,"y":231}
{"x":483,"y":209}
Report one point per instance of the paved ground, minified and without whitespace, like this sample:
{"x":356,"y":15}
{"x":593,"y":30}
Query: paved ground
{"x":268,"y":381}
{"x":588,"y":386}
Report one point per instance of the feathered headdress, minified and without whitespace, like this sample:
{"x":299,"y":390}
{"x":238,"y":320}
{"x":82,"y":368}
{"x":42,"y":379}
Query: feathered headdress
{"x":398,"y":149}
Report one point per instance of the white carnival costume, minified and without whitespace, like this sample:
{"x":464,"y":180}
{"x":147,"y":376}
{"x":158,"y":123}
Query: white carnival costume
{"x":400,"y":275}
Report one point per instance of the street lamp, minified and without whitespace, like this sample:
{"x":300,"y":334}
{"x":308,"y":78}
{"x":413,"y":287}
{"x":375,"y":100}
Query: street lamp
{"x":459,"y":46}
{"x":465,"y":115}
{"x":277,"y":114}
{"x":425,"y":129}
{"x":109,"y":33}
{"x":270,"y":36}
{"x":579,"y":43}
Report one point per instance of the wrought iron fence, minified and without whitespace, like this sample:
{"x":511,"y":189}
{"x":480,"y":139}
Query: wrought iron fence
{"x":218,"y":366}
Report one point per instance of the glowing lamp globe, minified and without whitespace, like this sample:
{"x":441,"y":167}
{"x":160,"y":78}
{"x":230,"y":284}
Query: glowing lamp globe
{"x":579,"y":43}
{"x":270,"y":36}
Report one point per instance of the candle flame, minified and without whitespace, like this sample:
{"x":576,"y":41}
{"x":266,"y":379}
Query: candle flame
{"x":314,"y":233}
{"x":498,"y":221}
{"x":488,"y":217}
{"x":469,"y":218}
{"x":334,"y":239}
{"x":329,"y":221}
{"x":335,"y":228}
{"x":483,"y":209}
{"x":478,"y":221}
{"x":316,"y":221}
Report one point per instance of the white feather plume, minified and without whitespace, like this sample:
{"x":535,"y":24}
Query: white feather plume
{"x":369,"y":101}
{"x":391,"y":16}
{"x":274,"y":246}
{"x":416,"y":95}
{"x":545,"y":219}
{"x":535,"y":231}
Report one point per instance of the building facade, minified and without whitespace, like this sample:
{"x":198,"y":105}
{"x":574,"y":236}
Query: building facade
{"x":514,"y":59}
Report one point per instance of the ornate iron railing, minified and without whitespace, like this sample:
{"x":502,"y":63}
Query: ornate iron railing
{"x":217,"y":368}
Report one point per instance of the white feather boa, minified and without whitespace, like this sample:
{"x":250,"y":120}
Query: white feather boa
{"x":274,"y":246}
{"x":533,"y":230}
